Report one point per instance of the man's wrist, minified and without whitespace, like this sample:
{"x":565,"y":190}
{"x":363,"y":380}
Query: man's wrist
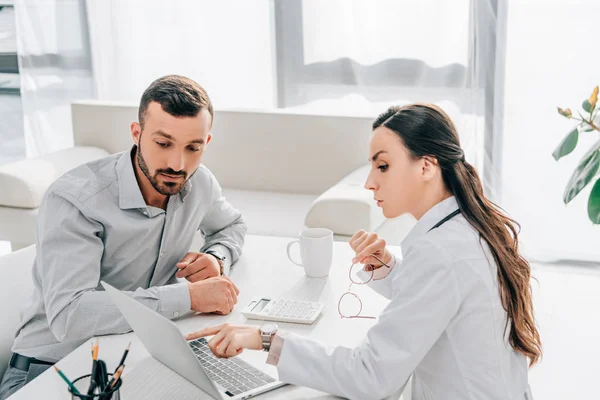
{"x":192,"y":305}
{"x":219,"y":261}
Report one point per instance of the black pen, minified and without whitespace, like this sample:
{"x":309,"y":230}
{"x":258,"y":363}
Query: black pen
{"x":102,"y":374}
{"x":102,"y":378}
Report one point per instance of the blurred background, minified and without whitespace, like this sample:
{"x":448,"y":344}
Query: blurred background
{"x":499,"y":68}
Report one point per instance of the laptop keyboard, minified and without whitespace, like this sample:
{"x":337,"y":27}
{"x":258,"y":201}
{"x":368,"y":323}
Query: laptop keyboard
{"x":233,"y":374}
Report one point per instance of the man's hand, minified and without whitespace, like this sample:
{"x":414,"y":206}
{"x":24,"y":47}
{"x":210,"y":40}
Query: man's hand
{"x":218,"y":295}
{"x":198,"y":266}
{"x":230,"y":340}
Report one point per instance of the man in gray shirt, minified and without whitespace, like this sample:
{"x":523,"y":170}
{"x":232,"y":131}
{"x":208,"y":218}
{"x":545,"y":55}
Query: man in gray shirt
{"x":129,"y":219}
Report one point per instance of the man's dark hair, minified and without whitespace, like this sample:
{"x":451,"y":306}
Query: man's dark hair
{"x":178,"y":95}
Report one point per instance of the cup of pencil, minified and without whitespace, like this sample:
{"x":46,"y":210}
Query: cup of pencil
{"x":82,"y":384}
{"x":100,"y":384}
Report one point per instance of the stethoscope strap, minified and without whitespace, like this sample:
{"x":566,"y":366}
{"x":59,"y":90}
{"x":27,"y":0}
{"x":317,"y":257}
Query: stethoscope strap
{"x":446,"y":219}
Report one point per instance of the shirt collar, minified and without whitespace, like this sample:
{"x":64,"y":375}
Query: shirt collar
{"x":435,"y":214}
{"x":186,"y":189}
{"x":130,"y":195}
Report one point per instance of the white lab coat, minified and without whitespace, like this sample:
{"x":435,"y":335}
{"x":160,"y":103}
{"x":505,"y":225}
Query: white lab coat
{"x":444,"y":324}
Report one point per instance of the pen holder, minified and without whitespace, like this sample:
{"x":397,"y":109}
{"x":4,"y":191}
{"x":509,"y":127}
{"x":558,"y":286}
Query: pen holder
{"x":83,"y":383}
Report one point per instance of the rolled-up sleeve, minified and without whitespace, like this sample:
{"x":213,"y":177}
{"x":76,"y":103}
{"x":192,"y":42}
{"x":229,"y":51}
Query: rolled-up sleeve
{"x":381,"y":281}
{"x":69,"y":251}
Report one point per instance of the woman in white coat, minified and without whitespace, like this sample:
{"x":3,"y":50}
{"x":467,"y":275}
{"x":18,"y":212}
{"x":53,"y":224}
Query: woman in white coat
{"x":460,"y":317}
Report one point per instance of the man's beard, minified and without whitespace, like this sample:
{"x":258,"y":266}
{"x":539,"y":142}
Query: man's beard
{"x":164,"y":188}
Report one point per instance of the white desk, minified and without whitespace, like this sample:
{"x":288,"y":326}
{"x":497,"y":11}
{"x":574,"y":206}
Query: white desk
{"x":263,"y":270}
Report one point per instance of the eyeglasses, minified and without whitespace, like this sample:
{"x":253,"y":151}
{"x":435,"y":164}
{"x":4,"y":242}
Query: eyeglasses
{"x":354,"y":310}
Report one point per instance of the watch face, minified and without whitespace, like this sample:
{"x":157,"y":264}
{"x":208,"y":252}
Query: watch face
{"x":268,"y":328}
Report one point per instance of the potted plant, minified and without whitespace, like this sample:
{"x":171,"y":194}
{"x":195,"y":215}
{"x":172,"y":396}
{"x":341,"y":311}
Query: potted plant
{"x":587,"y":169}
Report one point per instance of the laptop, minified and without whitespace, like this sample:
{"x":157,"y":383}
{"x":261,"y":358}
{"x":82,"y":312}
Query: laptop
{"x":221,"y":378}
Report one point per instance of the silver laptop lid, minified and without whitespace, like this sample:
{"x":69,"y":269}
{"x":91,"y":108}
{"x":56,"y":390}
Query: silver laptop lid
{"x":154,"y":331}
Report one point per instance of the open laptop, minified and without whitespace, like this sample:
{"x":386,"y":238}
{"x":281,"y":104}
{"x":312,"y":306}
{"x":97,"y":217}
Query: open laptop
{"x":221,"y":378}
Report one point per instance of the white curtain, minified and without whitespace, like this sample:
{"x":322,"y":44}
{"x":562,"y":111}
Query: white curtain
{"x":370,"y":32}
{"x":349,"y":57}
{"x":359,"y":57}
{"x":224,"y":46}
{"x":352,"y":57}
{"x":552,"y":60}
{"x":11,"y":115}
{"x":54,"y":69}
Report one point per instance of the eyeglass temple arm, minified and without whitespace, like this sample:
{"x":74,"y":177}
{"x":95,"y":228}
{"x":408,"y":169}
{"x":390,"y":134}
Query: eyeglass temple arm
{"x":377,"y":258}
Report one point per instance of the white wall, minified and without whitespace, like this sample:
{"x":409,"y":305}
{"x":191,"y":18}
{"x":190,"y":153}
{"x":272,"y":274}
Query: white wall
{"x":552,"y":60}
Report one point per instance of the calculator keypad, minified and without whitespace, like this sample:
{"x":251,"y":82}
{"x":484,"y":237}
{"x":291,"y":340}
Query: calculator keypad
{"x":292,"y":309}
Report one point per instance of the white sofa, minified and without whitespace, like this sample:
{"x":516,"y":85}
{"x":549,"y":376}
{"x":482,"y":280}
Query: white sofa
{"x":16,"y":287}
{"x":283,"y":170}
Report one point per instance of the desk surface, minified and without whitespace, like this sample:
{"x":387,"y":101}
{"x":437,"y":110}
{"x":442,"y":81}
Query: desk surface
{"x":263,"y":270}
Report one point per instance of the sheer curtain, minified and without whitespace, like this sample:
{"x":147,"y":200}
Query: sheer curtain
{"x":361,"y":56}
{"x":224,"y":46}
{"x":54,"y":69}
{"x":552,"y":60}
{"x":11,"y":115}
{"x":350,"y":57}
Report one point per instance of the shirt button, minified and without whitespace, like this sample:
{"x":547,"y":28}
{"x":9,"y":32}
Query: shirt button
{"x":176,"y":314}
{"x":145,"y":213}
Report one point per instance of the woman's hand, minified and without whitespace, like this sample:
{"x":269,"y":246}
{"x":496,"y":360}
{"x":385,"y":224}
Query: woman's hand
{"x":230,"y":340}
{"x":365,"y":245}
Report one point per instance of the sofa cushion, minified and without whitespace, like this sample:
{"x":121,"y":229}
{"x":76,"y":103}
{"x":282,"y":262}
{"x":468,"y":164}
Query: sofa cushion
{"x":29,"y":179}
{"x":271,"y":213}
{"x":18,"y":225}
{"x":347,"y":206}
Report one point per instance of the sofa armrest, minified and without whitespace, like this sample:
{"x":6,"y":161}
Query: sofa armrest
{"x":29,"y":179}
{"x":346,"y":207}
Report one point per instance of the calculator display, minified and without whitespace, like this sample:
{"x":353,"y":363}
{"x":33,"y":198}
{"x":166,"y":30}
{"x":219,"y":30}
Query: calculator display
{"x":261,"y":304}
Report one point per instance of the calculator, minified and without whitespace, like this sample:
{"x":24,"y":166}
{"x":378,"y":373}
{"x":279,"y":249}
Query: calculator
{"x":283,"y":310}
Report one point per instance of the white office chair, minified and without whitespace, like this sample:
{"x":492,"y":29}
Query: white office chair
{"x":16,"y":286}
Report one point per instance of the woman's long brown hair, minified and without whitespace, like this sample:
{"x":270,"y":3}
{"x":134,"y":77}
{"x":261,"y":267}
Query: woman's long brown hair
{"x":426,"y":130}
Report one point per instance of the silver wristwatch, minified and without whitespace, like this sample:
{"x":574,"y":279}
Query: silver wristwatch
{"x":267,"y":331}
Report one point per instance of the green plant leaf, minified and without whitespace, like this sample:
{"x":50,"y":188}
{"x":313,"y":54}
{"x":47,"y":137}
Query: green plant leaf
{"x":583,"y":174}
{"x":594,"y":203}
{"x":567,"y":145}
{"x":587,"y":106}
{"x":594,"y":148}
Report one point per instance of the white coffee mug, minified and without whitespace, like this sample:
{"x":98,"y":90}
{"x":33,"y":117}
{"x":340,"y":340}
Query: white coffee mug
{"x":316,"y":251}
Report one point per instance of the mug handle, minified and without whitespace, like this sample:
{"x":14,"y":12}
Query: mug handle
{"x":289,"y":246}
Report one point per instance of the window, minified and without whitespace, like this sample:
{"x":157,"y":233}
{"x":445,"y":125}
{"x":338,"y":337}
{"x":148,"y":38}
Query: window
{"x":11,"y":113}
{"x":359,"y":57}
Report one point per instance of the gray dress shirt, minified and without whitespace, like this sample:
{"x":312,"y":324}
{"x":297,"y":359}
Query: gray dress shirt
{"x":94,"y":225}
